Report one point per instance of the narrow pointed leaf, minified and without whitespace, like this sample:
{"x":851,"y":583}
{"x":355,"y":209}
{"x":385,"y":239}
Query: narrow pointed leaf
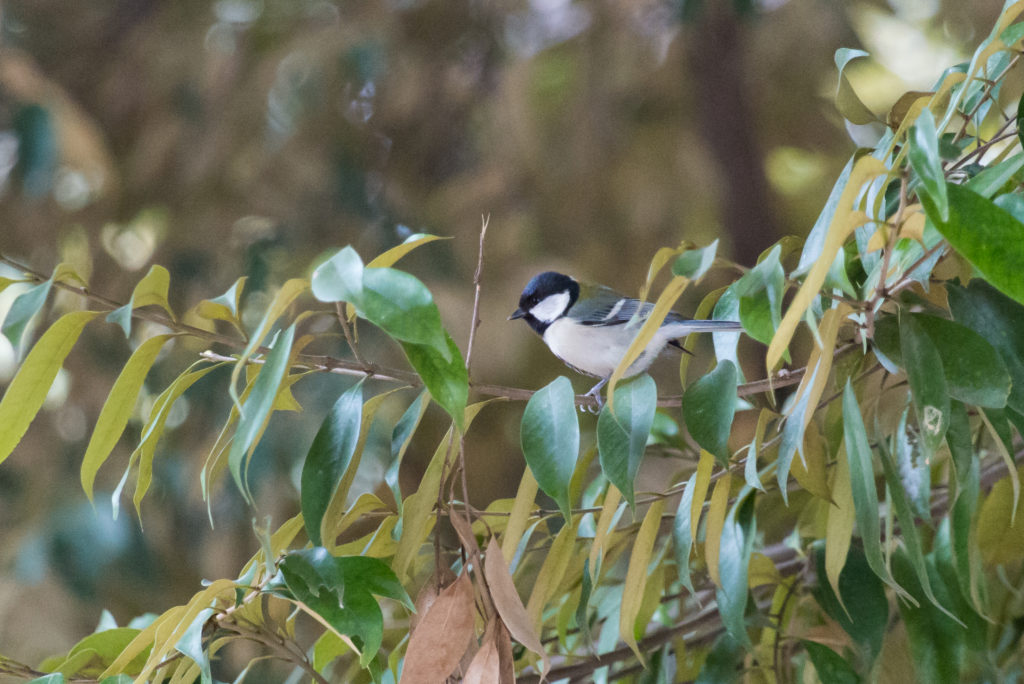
{"x":329,"y":457}
{"x":927,"y":164}
{"x":637,"y":577}
{"x":22,"y":310}
{"x":444,"y":375}
{"x":117,"y":409}
{"x":927,"y":382}
{"x":257,"y":408}
{"x":27,"y":391}
{"x":733,"y":560}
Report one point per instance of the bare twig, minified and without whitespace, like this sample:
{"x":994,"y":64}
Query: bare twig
{"x":476,"y":295}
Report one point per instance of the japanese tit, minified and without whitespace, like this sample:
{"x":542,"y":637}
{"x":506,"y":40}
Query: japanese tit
{"x":590,"y":327}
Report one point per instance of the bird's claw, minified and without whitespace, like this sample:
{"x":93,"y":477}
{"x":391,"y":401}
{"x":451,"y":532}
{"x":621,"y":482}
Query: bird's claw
{"x":598,"y":404}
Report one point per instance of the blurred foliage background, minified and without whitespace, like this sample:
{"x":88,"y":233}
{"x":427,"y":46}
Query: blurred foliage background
{"x":223,"y":138}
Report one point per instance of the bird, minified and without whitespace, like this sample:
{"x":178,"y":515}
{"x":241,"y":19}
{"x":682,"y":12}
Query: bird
{"x":590,"y":327}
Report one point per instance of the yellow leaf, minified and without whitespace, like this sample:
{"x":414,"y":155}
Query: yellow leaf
{"x":654,"y":320}
{"x":761,"y":570}
{"x":605,"y":520}
{"x":839,"y":529}
{"x":661,"y":257}
{"x":1000,"y":529}
{"x":389,"y":257}
{"x":117,"y":409}
{"x":636,"y":575}
{"x":844,"y":222}
{"x":551,"y":572}
{"x":716,"y":522}
{"x":417,"y":518}
{"x":700,"y":488}
{"x":27,"y":391}
{"x":520,"y":515}
{"x":809,"y":471}
{"x":152,"y":290}
{"x":282,"y":300}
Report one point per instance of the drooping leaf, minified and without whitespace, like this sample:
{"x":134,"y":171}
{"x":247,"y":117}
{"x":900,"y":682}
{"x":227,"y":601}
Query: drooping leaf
{"x":445,"y":376}
{"x":400,"y":437}
{"x":508,"y":603}
{"x":683,"y":534}
{"x":637,"y":576}
{"x":733,"y":560}
{"x":117,"y":409}
{"x":622,"y":434}
{"x":441,"y":635}
{"x":987,"y":236}
{"x":329,"y":457}
{"x":927,"y":382}
{"x":550,"y":438}
{"x":718,"y":508}
{"x":927,"y":164}
{"x":861,"y":607}
{"x":862,"y":486}
{"x":1000,"y":526}
{"x":402,"y":306}
{"x":27,"y":391}
{"x":708,"y":409}
{"x":936,"y":640}
{"x":258,"y":407}
{"x":760,"y":292}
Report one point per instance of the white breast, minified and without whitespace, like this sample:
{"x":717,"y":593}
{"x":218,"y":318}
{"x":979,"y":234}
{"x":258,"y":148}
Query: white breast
{"x":597,"y":350}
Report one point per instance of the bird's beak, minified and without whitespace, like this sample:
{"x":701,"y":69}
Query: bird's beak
{"x":518,"y":313}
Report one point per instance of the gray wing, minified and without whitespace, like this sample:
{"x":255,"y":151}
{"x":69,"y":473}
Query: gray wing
{"x":608,"y":307}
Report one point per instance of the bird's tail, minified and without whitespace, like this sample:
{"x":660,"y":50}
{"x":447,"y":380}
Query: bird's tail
{"x":685,"y":327}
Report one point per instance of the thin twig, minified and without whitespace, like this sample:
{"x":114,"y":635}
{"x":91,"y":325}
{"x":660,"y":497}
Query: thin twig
{"x":485,"y":220}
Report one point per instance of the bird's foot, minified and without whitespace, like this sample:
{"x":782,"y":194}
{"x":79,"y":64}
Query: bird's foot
{"x":595,"y":394}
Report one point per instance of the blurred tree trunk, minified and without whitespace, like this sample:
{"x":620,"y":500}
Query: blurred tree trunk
{"x":716,"y":50}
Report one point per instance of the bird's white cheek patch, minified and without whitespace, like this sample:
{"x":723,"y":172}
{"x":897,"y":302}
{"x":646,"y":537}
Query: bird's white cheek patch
{"x":551,"y":307}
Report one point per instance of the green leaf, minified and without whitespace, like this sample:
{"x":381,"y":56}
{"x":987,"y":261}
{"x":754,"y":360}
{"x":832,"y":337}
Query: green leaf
{"x":927,"y":164}
{"x":733,"y":559}
{"x":760,"y":293}
{"x":23,"y":309}
{"x":990,"y":180}
{"x":258,"y":407}
{"x":723,"y":662}
{"x":622,"y":434}
{"x":341,"y":590}
{"x":117,"y":409}
{"x":927,"y":382}
{"x":445,"y":376}
{"x":403,"y":307}
{"x":866,"y":613}
{"x":550,"y":438}
{"x":55,"y":678}
{"x":696,"y":262}
{"x":708,"y":409}
{"x":862,"y":485}
{"x":190,"y":645}
{"x":329,"y":457}
{"x":1000,"y":321}
{"x":987,"y":236}
{"x":340,"y":278}
{"x":27,"y":391}
{"x":400,"y":437}
{"x":908,"y":530}
{"x":152,"y":289}
{"x":830,"y":666}
{"x":936,"y":640}
{"x":683,"y":534}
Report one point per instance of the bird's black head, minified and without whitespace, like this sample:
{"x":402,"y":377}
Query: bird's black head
{"x":545,"y":299}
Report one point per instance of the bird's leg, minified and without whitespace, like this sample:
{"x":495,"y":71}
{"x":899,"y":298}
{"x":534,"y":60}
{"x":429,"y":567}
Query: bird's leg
{"x":595,"y":392}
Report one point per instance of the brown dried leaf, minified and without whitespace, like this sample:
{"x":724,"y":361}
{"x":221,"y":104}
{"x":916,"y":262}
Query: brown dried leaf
{"x":492,"y":664}
{"x":442,"y":635}
{"x":509,"y":605}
